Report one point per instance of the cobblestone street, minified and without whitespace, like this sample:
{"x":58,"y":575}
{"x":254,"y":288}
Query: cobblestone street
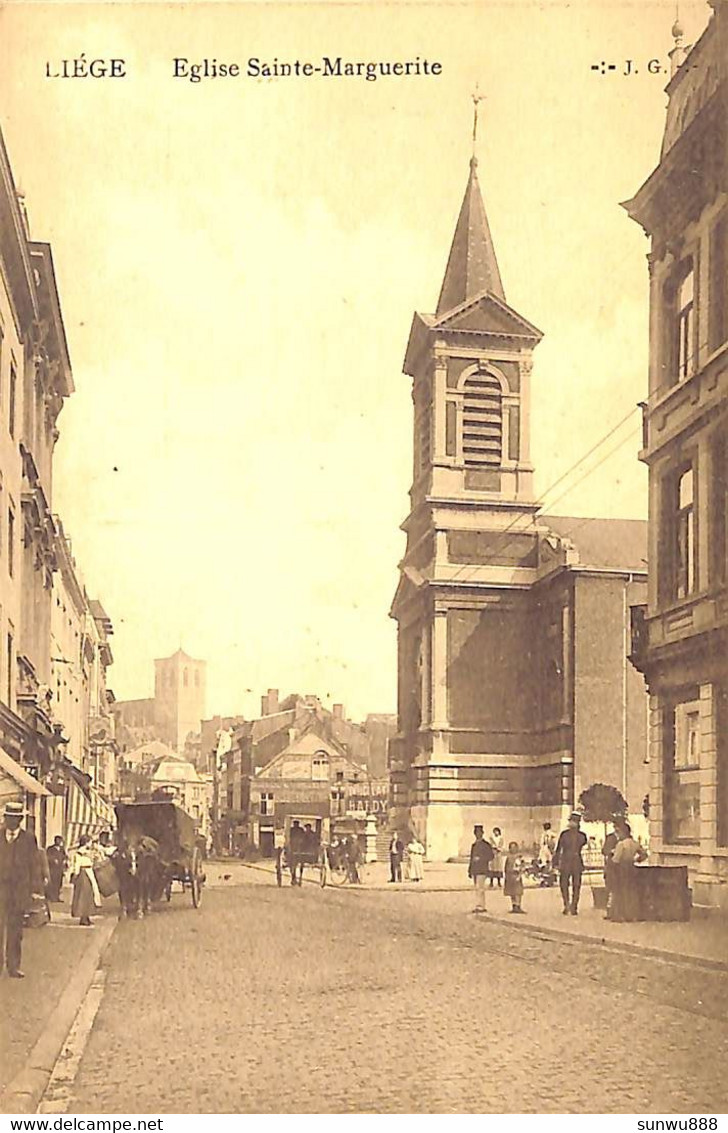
{"x":291,"y":1000}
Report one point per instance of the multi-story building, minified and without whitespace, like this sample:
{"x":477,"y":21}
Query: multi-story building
{"x":311,"y":780}
{"x":102,"y":749}
{"x":18,"y":314}
{"x":53,"y":641}
{"x":35,"y":378}
{"x":292,"y":725}
{"x":680,"y":638}
{"x":514,"y":692}
{"x":69,"y":677}
{"x":155,"y":768}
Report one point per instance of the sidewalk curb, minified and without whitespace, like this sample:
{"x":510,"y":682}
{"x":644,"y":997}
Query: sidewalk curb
{"x":643,"y":950}
{"x":24,"y":1092}
{"x":380,"y":887}
{"x":364,"y":888}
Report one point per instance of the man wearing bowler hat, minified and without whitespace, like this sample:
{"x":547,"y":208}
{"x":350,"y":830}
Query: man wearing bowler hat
{"x":569,"y":862}
{"x":19,"y":876}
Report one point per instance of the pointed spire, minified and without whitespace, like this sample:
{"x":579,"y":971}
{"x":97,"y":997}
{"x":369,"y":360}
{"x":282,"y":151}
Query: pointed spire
{"x":472,"y":266}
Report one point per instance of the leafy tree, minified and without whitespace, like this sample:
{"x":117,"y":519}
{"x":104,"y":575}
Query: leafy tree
{"x":602,"y":803}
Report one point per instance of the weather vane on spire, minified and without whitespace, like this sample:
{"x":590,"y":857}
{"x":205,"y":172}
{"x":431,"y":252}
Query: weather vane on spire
{"x":477,"y":98}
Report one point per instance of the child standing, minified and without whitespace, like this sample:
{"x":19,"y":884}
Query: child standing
{"x":513,"y":880}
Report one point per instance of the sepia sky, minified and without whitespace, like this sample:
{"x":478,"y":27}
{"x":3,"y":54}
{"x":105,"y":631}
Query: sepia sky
{"x":239,"y":260}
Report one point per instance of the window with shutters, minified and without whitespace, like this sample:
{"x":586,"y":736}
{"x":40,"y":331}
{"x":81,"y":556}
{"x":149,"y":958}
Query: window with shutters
{"x":482,"y":421}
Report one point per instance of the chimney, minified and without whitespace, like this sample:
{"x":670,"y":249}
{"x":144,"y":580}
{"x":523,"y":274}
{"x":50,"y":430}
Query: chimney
{"x":264,"y":705}
{"x":272,"y":701}
{"x":338,"y":712}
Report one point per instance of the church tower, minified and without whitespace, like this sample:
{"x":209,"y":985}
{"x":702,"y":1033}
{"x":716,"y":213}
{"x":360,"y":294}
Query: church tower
{"x":465,"y":693}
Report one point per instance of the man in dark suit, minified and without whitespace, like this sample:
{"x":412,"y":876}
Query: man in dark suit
{"x":569,"y":862}
{"x":19,"y":877}
{"x":295,"y":852}
{"x":57,"y":865}
{"x":481,"y":855}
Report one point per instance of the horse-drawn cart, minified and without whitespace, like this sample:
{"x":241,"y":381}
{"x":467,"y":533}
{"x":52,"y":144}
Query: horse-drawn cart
{"x":159,"y":843}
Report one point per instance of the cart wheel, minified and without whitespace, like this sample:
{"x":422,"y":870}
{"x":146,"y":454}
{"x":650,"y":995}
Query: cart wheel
{"x":197,"y":878}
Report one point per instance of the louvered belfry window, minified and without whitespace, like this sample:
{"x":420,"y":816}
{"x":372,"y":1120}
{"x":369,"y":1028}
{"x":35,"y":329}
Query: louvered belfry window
{"x":482,"y":421}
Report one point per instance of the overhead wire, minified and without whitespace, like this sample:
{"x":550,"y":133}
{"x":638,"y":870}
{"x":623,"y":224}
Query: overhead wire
{"x":500,"y":545}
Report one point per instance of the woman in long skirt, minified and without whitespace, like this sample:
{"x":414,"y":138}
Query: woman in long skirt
{"x":86,"y":897}
{"x":416,"y":853}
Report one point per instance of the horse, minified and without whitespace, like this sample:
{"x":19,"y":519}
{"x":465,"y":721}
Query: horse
{"x":141,"y":874}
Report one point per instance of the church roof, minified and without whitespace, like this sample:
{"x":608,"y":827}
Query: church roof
{"x":604,"y":544}
{"x":472,"y":267}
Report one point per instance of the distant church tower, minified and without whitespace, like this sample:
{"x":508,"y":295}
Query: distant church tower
{"x":465,"y":717}
{"x":179,"y":697}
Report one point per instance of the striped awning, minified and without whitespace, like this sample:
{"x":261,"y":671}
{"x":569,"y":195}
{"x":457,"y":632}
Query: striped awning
{"x":86,"y":813}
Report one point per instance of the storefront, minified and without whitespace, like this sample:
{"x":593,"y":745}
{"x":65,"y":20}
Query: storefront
{"x":16,"y":785}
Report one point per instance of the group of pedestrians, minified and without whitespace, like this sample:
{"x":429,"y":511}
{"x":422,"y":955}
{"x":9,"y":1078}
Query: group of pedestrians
{"x":31,"y":875}
{"x":414,"y":862}
{"x":564,"y":857}
{"x":489,"y":863}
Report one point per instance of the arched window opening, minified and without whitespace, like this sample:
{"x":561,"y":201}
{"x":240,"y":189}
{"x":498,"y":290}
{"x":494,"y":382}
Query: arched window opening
{"x":186,"y":678}
{"x":482,"y":421}
{"x":320,"y":767}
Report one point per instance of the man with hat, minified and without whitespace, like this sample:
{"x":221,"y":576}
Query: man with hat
{"x":568,"y":860}
{"x":481,"y":855}
{"x":19,"y":876}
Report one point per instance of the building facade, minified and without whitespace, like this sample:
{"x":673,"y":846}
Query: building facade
{"x":310,"y":780}
{"x":356,"y":752}
{"x":514,"y":692}
{"x":53,"y":641}
{"x":680,"y":639}
{"x":35,"y":378}
{"x":155,"y":768}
